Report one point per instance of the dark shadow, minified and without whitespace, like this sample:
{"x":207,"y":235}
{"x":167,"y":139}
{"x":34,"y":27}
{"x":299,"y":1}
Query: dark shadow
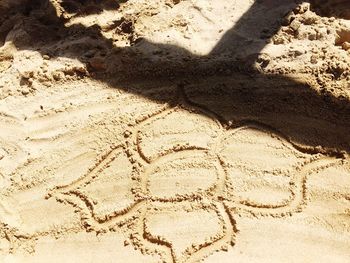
{"x":335,"y":8}
{"x":230,"y":87}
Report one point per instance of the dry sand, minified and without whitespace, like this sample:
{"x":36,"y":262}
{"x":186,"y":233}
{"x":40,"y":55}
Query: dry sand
{"x":174,"y":131}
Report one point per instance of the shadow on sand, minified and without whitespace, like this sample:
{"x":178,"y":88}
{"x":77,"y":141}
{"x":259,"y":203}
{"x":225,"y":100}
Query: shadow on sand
{"x":227,"y":86}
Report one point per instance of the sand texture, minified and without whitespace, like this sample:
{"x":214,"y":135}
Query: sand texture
{"x":174,"y":131}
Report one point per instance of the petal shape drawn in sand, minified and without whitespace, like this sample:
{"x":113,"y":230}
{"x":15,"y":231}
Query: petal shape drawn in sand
{"x":193,"y":131}
{"x":107,"y":190}
{"x":183,"y":175}
{"x":189,"y":230}
{"x":260,"y":166}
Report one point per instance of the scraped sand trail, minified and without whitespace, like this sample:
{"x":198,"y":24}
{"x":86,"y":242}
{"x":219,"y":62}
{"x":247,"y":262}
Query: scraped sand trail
{"x":100,"y":162}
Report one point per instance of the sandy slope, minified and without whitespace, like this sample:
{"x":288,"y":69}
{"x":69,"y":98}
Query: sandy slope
{"x":174,"y":131}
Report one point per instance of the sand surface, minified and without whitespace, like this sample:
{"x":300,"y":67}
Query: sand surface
{"x":174,"y":131}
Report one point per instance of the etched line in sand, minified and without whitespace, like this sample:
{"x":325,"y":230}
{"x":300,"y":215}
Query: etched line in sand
{"x":202,"y":108}
{"x":184,"y":175}
{"x":157,"y":137}
{"x":174,"y":176}
{"x":298,"y":193}
{"x":103,"y":162}
{"x":290,"y":164}
{"x":211,"y":229}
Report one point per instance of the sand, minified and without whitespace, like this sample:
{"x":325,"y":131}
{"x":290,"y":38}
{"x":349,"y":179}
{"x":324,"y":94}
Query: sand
{"x":174,"y":131}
